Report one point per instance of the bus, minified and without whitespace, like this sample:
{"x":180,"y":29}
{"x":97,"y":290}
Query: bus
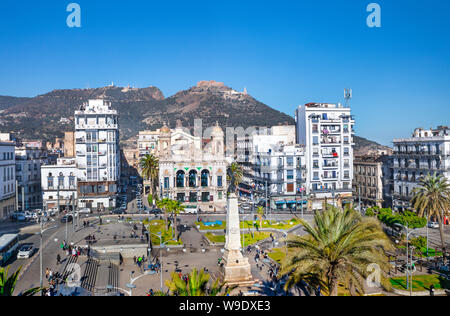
{"x":8,"y":246}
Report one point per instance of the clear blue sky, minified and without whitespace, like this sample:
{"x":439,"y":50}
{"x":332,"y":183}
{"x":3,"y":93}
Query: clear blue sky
{"x":285,"y":52}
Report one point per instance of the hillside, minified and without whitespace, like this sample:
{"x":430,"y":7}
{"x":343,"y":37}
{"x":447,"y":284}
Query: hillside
{"x":146,"y":108}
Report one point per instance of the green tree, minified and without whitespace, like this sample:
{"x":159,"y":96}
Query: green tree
{"x":197,"y":285}
{"x":164,"y":205}
{"x":150,"y":171}
{"x":237,"y":172}
{"x":260,"y":210}
{"x":337,"y":249}
{"x":8,"y":283}
{"x":432,"y":199}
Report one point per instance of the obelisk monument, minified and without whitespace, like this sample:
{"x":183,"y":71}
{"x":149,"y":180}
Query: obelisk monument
{"x":236,"y":268}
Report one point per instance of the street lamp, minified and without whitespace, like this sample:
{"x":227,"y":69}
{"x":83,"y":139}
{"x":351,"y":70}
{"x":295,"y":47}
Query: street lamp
{"x":409,"y":281}
{"x":42,"y":231}
{"x":161,"y":244}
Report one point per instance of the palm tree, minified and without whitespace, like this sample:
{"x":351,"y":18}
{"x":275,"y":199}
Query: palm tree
{"x":150,"y":170}
{"x":197,"y":285}
{"x":236,"y":171}
{"x":260,"y":211}
{"x":8,"y":284}
{"x":432,"y":199}
{"x":164,"y":204}
{"x":337,"y":248}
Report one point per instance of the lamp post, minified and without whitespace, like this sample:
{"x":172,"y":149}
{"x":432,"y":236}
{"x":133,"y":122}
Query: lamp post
{"x":408,"y":272}
{"x":161,"y":244}
{"x":41,"y":250}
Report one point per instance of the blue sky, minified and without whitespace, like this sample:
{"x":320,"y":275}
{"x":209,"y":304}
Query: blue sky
{"x":285,"y":52}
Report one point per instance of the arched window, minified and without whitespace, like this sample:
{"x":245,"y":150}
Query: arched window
{"x":192,"y":178}
{"x":205,"y":178}
{"x":180,"y":179}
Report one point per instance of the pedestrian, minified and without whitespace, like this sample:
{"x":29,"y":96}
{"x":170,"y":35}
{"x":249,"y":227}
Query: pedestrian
{"x":134,"y":259}
{"x":432,"y":290}
{"x":47,"y":273}
{"x":58,"y":259}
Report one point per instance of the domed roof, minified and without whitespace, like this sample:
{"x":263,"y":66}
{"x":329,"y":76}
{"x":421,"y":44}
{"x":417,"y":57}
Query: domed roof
{"x":217,"y":131}
{"x":165,"y":129}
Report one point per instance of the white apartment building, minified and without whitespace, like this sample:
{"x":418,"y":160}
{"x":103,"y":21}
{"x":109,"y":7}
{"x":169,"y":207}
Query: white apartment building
{"x":59,"y":184}
{"x":148,"y":142}
{"x":326,"y":130}
{"x":272,"y":165}
{"x":425,"y":152}
{"x":29,"y":159}
{"x":97,"y":154}
{"x":7,"y":179}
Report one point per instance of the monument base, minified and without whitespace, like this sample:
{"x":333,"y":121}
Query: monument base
{"x":236,"y":268}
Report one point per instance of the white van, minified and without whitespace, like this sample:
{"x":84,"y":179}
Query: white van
{"x":191,"y":209}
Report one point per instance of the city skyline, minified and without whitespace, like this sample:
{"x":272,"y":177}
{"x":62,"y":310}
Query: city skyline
{"x":286,"y":55}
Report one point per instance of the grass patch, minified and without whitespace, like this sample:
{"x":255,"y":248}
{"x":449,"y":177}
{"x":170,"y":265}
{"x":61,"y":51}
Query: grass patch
{"x":248,"y":238}
{"x":211,"y":227}
{"x":283,"y":225}
{"x":421,"y":283}
{"x":215,"y":238}
{"x":257,"y":236}
{"x":157,"y":226}
{"x":277,"y":254}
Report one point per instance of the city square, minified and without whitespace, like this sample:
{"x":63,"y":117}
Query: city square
{"x":237,"y":150}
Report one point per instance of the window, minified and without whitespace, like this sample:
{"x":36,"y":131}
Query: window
{"x":316,"y":164}
{"x":166,"y":182}
{"x":290,"y":174}
{"x":204,"y":178}
{"x":50,"y":181}
{"x":315,"y":140}
{"x":290,"y":187}
{"x":346,"y":151}
{"x":290,"y":161}
{"x":219,"y":181}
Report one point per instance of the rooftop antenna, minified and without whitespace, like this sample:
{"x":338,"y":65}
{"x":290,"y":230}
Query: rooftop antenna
{"x":347,"y":96}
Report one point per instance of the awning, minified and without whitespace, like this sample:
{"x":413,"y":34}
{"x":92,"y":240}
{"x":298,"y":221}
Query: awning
{"x":291,"y":202}
{"x":245,"y":190}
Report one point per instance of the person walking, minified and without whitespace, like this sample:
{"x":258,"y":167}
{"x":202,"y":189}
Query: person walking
{"x":58,"y":259}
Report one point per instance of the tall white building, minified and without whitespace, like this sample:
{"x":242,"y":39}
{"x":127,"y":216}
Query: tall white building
{"x":327,"y":132}
{"x":273,"y":166}
{"x":425,"y":152}
{"x":7,"y":179}
{"x":29,"y":159}
{"x":97,"y":154}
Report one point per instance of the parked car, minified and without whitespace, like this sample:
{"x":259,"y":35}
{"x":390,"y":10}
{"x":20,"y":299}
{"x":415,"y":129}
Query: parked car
{"x":433,"y":225}
{"x":84,"y":211}
{"x":119,"y":211}
{"x":66,"y":219}
{"x":19,"y":217}
{"x":26,"y":251}
{"x":156,"y":211}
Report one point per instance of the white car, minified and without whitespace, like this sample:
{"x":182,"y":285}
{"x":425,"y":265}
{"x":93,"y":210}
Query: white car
{"x":84,"y":211}
{"x":433,"y":225}
{"x":25,"y":252}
